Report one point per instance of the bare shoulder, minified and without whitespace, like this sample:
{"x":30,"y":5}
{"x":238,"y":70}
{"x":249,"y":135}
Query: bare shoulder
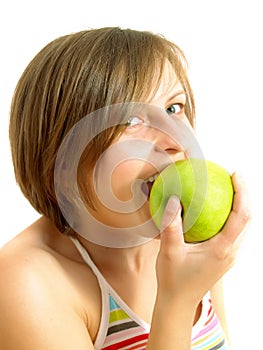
{"x":45,"y":301}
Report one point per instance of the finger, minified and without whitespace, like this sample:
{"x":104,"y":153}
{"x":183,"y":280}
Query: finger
{"x":171,"y":227}
{"x":171,"y":214}
{"x":240,"y":214}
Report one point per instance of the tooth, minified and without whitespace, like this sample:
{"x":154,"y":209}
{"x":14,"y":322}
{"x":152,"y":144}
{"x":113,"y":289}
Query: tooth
{"x":152,"y":178}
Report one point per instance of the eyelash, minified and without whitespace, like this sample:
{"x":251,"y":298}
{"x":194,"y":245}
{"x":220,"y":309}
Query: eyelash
{"x":132,"y":123}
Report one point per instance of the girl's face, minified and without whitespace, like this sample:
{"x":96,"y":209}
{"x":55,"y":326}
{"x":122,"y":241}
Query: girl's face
{"x":154,"y":138}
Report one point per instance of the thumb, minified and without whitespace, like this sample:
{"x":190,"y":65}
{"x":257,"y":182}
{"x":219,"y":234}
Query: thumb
{"x":172,"y":215}
{"x":171,"y":226}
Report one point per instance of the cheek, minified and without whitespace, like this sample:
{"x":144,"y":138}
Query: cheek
{"x":123,"y":179}
{"x":118,"y":168}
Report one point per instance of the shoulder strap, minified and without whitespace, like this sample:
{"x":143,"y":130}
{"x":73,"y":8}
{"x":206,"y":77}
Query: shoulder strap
{"x":106,"y":288}
{"x":85,"y":255}
{"x":105,"y":294}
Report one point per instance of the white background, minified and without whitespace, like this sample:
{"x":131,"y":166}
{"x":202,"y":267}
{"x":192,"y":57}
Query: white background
{"x":223,"y":43}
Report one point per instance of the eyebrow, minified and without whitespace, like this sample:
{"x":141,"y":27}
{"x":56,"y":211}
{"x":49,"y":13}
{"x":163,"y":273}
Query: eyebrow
{"x":179,"y":92}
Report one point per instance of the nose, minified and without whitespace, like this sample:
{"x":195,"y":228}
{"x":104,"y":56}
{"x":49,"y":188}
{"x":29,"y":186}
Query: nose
{"x":175,"y":137}
{"x":168,"y":136}
{"x":168,"y":133}
{"x":167,"y":143}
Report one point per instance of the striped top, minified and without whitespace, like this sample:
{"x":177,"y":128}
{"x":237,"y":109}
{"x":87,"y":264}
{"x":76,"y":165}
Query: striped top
{"x":122,"y":329}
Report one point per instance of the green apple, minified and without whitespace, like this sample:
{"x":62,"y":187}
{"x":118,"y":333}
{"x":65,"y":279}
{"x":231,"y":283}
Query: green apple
{"x":206,"y":194}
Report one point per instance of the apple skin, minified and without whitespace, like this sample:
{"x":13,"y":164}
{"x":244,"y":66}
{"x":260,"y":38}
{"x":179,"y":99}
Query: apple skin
{"x":206,"y":194}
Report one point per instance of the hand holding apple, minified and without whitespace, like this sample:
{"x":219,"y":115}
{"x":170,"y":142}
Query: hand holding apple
{"x":206,"y":193}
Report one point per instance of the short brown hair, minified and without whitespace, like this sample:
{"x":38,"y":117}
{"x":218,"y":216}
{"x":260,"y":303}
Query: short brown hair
{"x":71,"y":77}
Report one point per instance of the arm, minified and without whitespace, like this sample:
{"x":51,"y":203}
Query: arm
{"x":185,"y":272}
{"x":36,"y":314}
{"x":217,"y":297}
{"x":174,"y":313}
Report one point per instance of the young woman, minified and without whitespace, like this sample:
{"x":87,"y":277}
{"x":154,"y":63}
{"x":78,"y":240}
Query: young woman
{"x":95,"y":116}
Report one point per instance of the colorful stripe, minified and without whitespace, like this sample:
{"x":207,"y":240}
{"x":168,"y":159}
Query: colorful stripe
{"x":211,"y":337}
{"x":125,"y":334}
{"x":119,"y":331}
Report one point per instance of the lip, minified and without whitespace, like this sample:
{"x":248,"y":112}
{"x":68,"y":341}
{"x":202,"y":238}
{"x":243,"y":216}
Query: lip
{"x":146,"y":185}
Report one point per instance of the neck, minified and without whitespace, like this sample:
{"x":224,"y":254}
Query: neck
{"x":126,"y":259}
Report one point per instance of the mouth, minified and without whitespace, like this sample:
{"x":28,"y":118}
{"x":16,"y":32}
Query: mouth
{"x":147,"y":185}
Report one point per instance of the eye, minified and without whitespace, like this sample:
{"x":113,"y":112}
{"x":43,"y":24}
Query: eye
{"x":175,"y":108}
{"x":134,"y":121}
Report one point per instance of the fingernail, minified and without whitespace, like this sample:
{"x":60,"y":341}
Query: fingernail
{"x":173,"y":204}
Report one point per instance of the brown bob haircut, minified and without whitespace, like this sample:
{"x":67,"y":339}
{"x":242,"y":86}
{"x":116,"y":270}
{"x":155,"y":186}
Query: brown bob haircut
{"x":71,"y":77}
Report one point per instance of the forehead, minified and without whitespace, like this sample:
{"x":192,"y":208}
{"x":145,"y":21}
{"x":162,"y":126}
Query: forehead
{"x":168,"y":83}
